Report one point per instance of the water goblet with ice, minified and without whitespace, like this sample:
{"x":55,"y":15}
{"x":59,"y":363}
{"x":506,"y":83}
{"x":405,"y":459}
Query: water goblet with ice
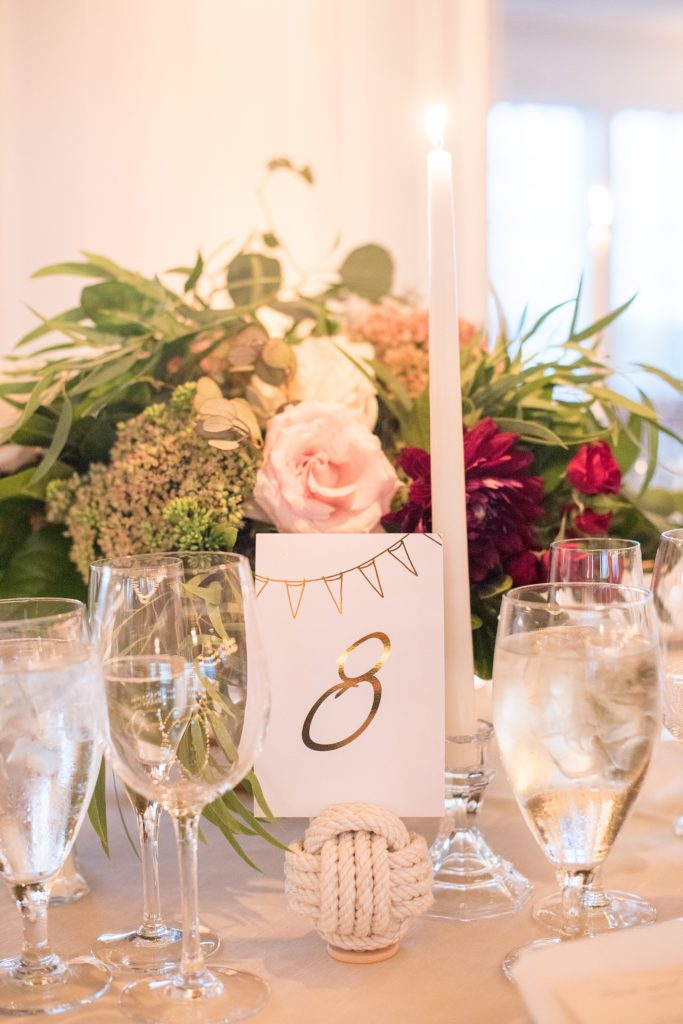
{"x":51,"y":725}
{"x":598,"y":560}
{"x":576,"y":710}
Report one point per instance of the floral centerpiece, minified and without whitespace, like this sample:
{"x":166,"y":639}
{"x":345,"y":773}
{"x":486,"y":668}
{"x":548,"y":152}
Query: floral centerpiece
{"x":193,"y":415}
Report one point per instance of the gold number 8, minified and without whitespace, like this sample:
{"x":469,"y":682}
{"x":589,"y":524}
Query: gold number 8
{"x":346,"y":683}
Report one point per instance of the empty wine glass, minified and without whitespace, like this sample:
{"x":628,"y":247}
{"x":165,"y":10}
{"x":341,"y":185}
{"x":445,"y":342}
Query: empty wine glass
{"x":51,"y":724}
{"x":137,"y":589}
{"x":185,"y":725}
{"x":576,"y":711}
{"x":598,"y":560}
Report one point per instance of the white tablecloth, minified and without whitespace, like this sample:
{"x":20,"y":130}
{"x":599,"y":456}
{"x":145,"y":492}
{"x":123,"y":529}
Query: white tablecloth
{"x":444,"y":973}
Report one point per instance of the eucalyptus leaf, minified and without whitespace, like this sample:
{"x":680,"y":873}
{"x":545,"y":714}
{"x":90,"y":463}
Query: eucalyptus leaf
{"x":253,"y":279}
{"x":368,"y":271}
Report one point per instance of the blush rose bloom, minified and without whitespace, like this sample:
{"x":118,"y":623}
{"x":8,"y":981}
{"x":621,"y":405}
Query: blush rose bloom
{"x":323,"y":471}
{"x":325,"y":374}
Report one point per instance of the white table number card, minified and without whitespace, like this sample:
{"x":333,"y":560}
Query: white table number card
{"x":354,"y":632}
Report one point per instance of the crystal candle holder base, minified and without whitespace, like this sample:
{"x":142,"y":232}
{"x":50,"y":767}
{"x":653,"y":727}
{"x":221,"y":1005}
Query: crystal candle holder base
{"x":69,"y":886}
{"x":470,"y":880}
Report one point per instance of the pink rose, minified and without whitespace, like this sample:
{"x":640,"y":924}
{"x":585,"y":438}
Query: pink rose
{"x":323,"y":471}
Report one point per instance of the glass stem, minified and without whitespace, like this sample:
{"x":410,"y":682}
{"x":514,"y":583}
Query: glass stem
{"x":193,"y":973}
{"x":148,"y":813}
{"x":37,"y":964}
{"x":574,"y":914}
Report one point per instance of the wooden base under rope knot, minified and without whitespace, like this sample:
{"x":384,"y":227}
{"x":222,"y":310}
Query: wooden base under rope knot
{"x":362,"y":956}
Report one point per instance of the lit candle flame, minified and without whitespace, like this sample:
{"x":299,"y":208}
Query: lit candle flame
{"x":436,"y":122}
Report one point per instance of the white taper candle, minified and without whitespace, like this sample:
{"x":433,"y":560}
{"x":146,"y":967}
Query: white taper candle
{"x":447,"y":452}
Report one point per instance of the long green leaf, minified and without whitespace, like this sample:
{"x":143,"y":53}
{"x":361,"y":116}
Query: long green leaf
{"x":70,"y":316}
{"x":528,"y":430}
{"x":600,"y":325}
{"x":22,"y":484}
{"x":78,"y":269}
{"x":153,"y":289}
{"x":59,"y":439}
{"x":575,"y":314}
{"x":675,"y":382}
{"x":616,"y":398}
{"x":32,"y":404}
{"x":215,"y":818}
{"x":97,"y":809}
{"x":542,"y":319}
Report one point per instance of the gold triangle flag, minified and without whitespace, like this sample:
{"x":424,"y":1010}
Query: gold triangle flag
{"x":400,"y":553}
{"x":262,"y":582}
{"x":295,"y":591}
{"x":369,"y":571}
{"x":335,"y":585}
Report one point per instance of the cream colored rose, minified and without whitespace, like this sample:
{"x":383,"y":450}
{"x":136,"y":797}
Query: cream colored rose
{"x":325,"y":373}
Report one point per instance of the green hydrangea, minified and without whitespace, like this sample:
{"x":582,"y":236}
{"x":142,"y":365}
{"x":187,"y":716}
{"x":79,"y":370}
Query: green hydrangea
{"x":165,"y":489}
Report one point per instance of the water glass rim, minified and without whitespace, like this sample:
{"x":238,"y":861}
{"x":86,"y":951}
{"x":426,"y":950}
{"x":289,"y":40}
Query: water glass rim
{"x":675,"y":535}
{"x":70,"y":606}
{"x":221,"y":558}
{"x":124,"y":563}
{"x":590,"y":544}
{"x":636,"y":595}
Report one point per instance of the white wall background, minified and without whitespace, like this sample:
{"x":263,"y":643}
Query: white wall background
{"x":139,"y":128}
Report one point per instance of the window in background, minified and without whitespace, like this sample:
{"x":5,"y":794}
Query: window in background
{"x":541,"y":167}
{"x":647,"y":252}
{"x":646,"y":155}
{"x":538,"y":182}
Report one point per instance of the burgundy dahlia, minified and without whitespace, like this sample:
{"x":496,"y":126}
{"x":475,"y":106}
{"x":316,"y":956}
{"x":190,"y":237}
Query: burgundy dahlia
{"x":503,"y":502}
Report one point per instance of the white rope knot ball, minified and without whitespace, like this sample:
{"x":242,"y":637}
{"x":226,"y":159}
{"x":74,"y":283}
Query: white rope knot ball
{"x":360,"y":875}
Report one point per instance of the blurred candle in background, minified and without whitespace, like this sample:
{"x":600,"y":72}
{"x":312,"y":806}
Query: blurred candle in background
{"x":447,"y":454}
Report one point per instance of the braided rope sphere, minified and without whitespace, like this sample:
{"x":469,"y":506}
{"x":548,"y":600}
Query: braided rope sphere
{"x":360,"y":875}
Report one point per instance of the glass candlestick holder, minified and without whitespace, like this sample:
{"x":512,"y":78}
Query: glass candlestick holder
{"x":470,"y":880}
{"x":69,"y":886}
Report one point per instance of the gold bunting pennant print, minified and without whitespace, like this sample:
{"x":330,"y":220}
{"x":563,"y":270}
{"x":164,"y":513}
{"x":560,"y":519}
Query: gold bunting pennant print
{"x":334,"y":582}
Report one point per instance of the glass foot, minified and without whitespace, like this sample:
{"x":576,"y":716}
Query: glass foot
{"x":511,"y":959}
{"x":73,"y":984}
{"x":131,"y":951}
{"x":470,"y":880}
{"x":610,"y":909}
{"x":218,"y":996}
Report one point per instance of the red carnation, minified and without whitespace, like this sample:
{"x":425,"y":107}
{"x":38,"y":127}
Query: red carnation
{"x":594,"y":470}
{"x":595,"y":524}
{"x":503,"y":501}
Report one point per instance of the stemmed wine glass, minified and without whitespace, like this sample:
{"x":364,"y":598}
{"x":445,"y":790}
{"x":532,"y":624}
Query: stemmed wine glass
{"x":136,"y":587}
{"x":185,"y":724}
{"x":598,"y":560}
{"x":51,"y":724}
{"x":576,"y":711}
